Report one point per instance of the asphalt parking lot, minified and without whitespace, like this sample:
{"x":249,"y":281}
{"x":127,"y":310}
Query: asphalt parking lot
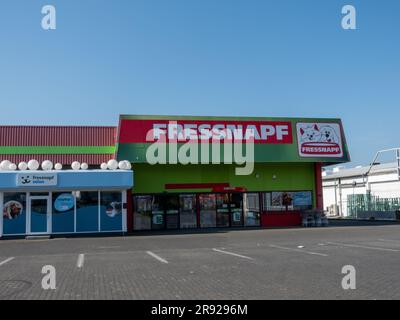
{"x":298,"y":263}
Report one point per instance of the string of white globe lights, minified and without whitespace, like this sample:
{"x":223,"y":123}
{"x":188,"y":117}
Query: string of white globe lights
{"x":47,"y":165}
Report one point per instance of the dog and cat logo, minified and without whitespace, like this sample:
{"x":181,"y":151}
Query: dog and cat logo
{"x":319,"y":140}
{"x":25,"y":180}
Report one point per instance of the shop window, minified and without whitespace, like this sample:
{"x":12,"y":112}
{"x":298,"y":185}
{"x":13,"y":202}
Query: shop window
{"x":172,"y":211}
{"x":302,"y":200}
{"x":188,"y":214}
{"x":223,"y":212}
{"x":236,"y":207}
{"x":87,"y":211}
{"x":142,"y":212}
{"x":207,"y":210}
{"x":14,"y":213}
{"x":63,"y":207}
{"x":110,"y":211}
{"x":251,"y":203}
{"x":157,"y":212}
{"x":287,"y":201}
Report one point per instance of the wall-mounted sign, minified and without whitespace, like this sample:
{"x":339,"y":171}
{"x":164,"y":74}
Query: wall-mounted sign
{"x":275,"y":139}
{"x":319,"y":140}
{"x":36,"y":179}
{"x":264,"y":132}
{"x":64,"y":202}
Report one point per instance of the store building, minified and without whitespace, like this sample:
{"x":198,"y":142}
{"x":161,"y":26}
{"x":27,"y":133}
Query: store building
{"x":376,"y":187}
{"x":63,"y":202}
{"x":49,"y":202}
{"x":205,"y":190}
{"x":288,"y":156}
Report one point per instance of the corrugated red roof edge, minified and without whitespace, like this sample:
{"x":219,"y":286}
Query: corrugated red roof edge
{"x":28,"y":136}
{"x":57,"y":136}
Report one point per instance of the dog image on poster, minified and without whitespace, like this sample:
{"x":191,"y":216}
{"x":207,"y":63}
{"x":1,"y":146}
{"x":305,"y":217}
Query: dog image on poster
{"x":12,"y":210}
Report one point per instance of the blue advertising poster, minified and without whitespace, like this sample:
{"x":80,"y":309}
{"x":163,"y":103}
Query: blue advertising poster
{"x":14,"y":213}
{"x":302,"y":199}
{"x":64,"y":202}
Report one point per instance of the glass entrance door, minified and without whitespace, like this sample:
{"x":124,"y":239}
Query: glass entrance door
{"x":172,"y":211}
{"x":39,"y":214}
{"x":236,"y":206}
{"x":223,"y":201}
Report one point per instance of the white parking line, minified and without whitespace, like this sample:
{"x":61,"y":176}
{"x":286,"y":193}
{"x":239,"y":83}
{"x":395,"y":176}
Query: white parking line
{"x":362,"y":247}
{"x":5,"y":261}
{"x":299,"y":250}
{"x":389,"y":240}
{"x":81,"y":260}
{"x":156,"y":257}
{"x":232,"y":254}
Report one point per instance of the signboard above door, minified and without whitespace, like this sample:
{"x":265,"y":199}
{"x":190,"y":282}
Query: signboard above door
{"x":36,"y":179}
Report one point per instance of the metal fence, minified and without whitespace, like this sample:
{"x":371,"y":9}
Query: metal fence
{"x":366,"y":202}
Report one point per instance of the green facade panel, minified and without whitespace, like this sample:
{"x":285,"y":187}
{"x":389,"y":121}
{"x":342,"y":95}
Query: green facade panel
{"x":57,"y":150}
{"x":266,"y":177}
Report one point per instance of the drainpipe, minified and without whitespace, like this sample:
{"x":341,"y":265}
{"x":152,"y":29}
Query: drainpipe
{"x":398,"y":162}
{"x":336,"y":204}
{"x":340,"y":199}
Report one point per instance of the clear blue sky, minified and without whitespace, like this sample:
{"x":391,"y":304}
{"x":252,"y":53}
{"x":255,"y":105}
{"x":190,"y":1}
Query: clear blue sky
{"x":204,"y":57}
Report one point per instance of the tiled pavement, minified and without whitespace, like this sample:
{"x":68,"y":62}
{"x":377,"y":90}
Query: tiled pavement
{"x":250,"y":264}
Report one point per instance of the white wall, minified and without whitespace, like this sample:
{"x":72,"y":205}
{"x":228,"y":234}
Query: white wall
{"x":381,"y":185}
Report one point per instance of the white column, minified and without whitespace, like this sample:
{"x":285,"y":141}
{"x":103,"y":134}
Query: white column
{"x":75,"y":209}
{"x":124,"y":212}
{"x":50,"y":211}
{"x":28,"y":213}
{"x":99,"y":211}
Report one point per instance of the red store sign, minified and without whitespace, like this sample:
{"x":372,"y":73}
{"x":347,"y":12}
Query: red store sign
{"x":264,"y":132}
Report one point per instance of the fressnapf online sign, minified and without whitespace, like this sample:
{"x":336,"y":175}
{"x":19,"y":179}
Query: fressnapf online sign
{"x":319,"y":140}
{"x":31,"y":179}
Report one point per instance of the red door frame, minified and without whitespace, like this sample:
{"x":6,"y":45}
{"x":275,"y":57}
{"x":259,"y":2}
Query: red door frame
{"x":318,"y":185}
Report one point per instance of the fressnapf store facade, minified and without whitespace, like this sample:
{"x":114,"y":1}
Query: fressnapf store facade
{"x":203,"y":193}
{"x":52,"y":181}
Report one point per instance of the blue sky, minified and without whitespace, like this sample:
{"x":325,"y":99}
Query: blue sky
{"x":204,"y":57}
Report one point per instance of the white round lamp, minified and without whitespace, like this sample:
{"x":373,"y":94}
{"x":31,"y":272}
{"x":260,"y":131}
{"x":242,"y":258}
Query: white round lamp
{"x":112,"y":164}
{"x":22,"y":166}
{"x":47,"y":165}
{"x":75,"y":165}
{"x":33,"y":165}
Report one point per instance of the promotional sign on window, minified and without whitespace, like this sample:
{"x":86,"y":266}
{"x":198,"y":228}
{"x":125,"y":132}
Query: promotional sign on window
{"x":158,"y":218}
{"x":319,"y":140}
{"x":302,"y":198}
{"x":114,"y":209}
{"x":12,"y":210}
{"x":64,"y":202}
